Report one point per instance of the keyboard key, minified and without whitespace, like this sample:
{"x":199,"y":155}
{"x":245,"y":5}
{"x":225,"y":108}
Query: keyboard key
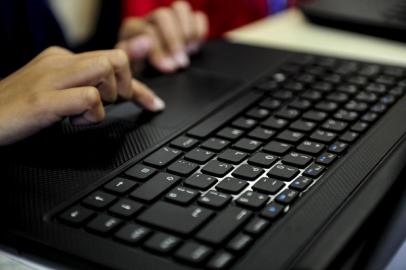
{"x":344,"y":115}
{"x":162,"y":243}
{"x":300,"y":104}
{"x":270,"y":104}
{"x":326,"y":158}
{"x":287,"y":196}
{"x":125,"y":208}
{"x":214,"y":122}
{"x":184,"y":143}
{"x":337,"y":97}
{"x":323,"y":136}
{"x":335,"y":126}
{"x":314,"y":171}
{"x":232,"y":156}
{"x":232,"y":185}
{"x":277,"y":148}
{"x":214,"y":199}
{"x":290,"y":136}
{"x":356,"y":106}
{"x":247,"y":145}
{"x":155,"y":187}
{"x":262,"y":134}
{"x":120,"y":185}
{"x":301,"y":183}
{"x":244,"y":123}
{"x":258,"y":113}
{"x":221,"y":260}
{"x":132,"y":234}
{"x":252,"y":199}
{"x":217,"y":168}
{"x":182,"y":167}
{"x":99,"y":200}
{"x":224,"y":225}
{"x":262,"y":160}
{"x":199,"y":156}
{"x":297,"y":159}
{"x":103,"y":224}
{"x":272,"y":211}
{"x":275,"y":123}
{"x":349,"y":136}
{"x":312,"y":95}
{"x":310,"y":147}
{"x":287,"y":113}
{"x":315,"y":116}
{"x":76,"y":215}
{"x":326,"y":106}
{"x":239,"y":243}
{"x":282,"y":94}
{"x":162,"y":157}
{"x":257,"y":226}
{"x":193,"y":252}
{"x":140,"y":172}
{"x":303,"y":126}
{"x":337,"y":147}
{"x":268,"y":185}
{"x":230,"y":133}
{"x":182,"y":195}
{"x":359,"y":126}
{"x":178,"y":219}
{"x":248,"y":172}
{"x":200,"y":181}
{"x":283,"y":172}
{"x":369,"y":117}
{"x":215,"y":144}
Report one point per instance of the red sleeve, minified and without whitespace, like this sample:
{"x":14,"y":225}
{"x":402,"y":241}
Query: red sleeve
{"x":223,"y":15}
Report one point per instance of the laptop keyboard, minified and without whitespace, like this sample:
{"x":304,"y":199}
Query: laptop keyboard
{"x":206,"y":196}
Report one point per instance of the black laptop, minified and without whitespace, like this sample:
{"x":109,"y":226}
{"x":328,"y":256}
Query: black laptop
{"x":263,"y":159}
{"x":374,"y":17}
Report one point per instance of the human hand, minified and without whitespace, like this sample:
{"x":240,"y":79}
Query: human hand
{"x":166,"y":37}
{"x":57,"y":84}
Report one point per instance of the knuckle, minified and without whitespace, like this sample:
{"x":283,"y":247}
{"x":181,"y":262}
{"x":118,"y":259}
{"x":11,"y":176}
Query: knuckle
{"x":162,"y":12}
{"x":91,"y":97}
{"x":121,"y":57}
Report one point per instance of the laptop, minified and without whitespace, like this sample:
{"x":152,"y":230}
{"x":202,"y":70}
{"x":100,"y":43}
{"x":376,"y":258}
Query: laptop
{"x":374,"y":17}
{"x":263,"y":159}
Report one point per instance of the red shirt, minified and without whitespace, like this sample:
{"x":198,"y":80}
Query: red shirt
{"x":224,"y":15}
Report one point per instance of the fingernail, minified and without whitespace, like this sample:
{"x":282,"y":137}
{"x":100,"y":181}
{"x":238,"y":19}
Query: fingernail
{"x":139,"y":46}
{"x":167,"y":64}
{"x":182,"y":59}
{"x":158,"y":104}
{"x":193,"y":47}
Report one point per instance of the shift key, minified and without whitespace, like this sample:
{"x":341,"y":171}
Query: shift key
{"x":224,"y":225}
{"x":174,"y":218}
{"x":155,"y":187}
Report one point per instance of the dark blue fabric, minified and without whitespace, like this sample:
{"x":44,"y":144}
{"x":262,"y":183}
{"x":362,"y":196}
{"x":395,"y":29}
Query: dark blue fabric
{"x":26,"y":28}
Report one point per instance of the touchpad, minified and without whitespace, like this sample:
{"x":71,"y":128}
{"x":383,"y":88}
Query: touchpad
{"x":186,"y":94}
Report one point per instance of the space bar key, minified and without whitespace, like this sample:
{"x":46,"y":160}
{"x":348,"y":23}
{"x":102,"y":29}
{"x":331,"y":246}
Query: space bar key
{"x":178,"y":219}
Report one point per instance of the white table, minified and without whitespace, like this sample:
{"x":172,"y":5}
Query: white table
{"x":290,"y":30}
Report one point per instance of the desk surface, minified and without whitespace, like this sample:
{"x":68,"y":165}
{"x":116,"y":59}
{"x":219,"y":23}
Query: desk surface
{"x":290,"y":30}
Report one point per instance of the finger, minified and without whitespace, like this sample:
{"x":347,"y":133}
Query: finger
{"x":202,"y":28}
{"x":94,"y":68}
{"x":132,"y":27}
{"x":108,"y":88}
{"x":137,"y":47}
{"x":157,"y":55}
{"x":164,"y":19}
{"x":83,"y":104}
{"x":146,"y":97}
{"x":184,"y":15}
